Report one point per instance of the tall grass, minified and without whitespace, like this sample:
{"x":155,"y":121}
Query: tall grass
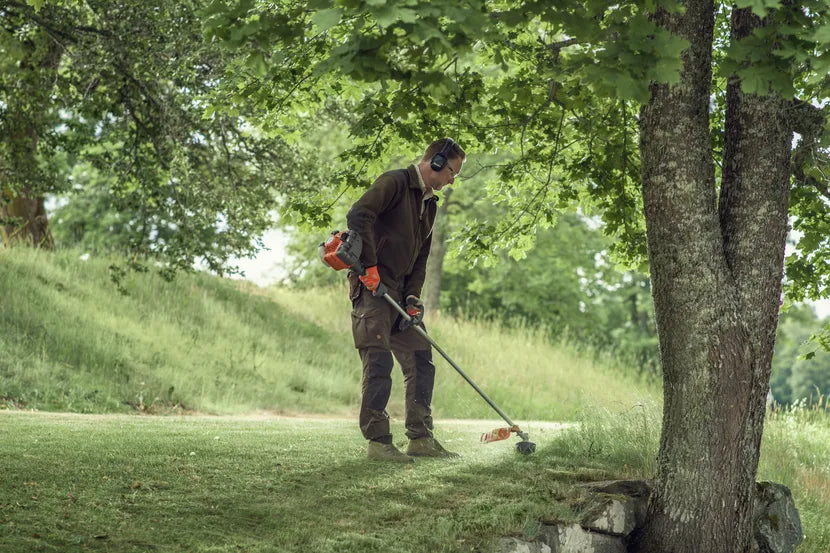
{"x":517,"y":367}
{"x":71,"y":341}
{"x":796,"y":453}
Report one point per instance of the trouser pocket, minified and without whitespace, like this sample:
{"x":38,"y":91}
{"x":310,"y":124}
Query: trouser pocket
{"x":370,"y":322}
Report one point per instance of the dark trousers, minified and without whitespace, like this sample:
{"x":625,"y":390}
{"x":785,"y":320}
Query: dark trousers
{"x":377,"y":340}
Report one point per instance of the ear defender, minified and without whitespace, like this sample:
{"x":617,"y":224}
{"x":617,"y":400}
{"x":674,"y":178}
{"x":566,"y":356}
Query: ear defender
{"x":439,"y":160}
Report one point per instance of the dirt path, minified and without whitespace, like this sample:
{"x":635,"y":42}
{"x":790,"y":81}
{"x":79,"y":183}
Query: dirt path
{"x":485,"y":424}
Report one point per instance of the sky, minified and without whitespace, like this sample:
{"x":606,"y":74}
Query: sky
{"x":267,"y":267}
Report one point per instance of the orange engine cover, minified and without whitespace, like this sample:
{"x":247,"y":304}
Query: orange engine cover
{"x":328,"y":252}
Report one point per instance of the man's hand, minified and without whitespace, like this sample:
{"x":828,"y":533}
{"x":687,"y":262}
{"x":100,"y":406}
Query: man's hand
{"x":371,"y":279}
{"x":415,"y":308}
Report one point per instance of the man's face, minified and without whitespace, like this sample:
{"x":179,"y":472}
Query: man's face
{"x":447,"y":175}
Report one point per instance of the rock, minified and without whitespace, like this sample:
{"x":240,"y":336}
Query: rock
{"x":515,"y":545}
{"x":617,"y":508}
{"x":572,"y":538}
{"x":776,"y":521}
{"x":618,"y":515}
{"x":631,"y":488}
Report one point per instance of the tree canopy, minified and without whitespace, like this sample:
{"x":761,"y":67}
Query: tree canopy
{"x":556,"y":87}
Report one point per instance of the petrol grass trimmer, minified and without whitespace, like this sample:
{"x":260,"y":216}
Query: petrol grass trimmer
{"x":342,"y":251}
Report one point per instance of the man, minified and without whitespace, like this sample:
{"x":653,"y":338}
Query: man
{"x":394,"y":218}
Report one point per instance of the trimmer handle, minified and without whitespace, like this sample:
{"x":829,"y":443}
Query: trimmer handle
{"x":342,"y":251}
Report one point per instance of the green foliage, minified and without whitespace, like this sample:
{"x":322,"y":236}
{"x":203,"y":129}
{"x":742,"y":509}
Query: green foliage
{"x":113,"y":97}
{"x":566,"y":284}
{"x":540,"y":83}
{"x":493,"y":76}
{"x":550,"y":89}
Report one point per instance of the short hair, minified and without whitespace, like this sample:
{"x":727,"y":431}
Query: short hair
{"x":455,"y":152}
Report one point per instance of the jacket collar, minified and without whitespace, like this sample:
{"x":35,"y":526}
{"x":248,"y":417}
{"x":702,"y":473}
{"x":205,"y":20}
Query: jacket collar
{"x":414,"y":182}
{"x":413,"y":177}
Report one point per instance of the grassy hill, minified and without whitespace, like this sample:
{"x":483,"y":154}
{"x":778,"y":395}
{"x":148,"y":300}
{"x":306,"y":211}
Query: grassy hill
{"x":72,"y":342}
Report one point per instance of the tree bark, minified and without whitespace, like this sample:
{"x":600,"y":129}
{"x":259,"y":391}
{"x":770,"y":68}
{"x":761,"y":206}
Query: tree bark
{"x":25,"y":221}
{"x":716,"y":272}
{"x":23,"y":217}
{"x":437,"y":251}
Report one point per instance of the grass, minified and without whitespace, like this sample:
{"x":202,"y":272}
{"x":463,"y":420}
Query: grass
{"x":126,"y":483}
{"x":796,"y":452}
{"x":254,"y":482}
{"x":261,"y":483}
{"x":72,"y":342}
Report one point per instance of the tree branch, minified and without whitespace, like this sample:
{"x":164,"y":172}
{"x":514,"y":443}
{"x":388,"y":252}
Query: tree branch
{"x":808,"y":121}
{"x":49,"y":25}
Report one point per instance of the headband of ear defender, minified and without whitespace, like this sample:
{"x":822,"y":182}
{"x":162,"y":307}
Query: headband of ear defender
{"x":439,"y":160}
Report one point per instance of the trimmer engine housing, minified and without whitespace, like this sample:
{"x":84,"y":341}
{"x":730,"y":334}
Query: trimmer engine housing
{"x":342,"y":251}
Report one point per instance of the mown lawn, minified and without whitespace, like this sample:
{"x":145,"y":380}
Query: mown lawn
{"x":139,"y":483}
{"x":258,"y":484}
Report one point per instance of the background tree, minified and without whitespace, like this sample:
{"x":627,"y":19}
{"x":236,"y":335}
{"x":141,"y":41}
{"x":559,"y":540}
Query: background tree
{"x":119,"y":90}
{"x":799,"y":372}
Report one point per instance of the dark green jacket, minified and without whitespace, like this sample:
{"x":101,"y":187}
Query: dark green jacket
{"x":396,"y":236}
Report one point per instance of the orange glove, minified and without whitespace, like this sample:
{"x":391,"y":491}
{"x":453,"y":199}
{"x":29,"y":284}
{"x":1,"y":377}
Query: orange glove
{"x":415,"y":308}
{"x":371,"y":279}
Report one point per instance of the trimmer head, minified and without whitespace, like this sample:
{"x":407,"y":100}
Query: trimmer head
{"x":525,"y":447}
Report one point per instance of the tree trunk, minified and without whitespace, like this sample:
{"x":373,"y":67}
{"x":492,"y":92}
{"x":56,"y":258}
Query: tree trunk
{"x":716,"y":273}
{"x":23,"y":216}
{"x":437,"y":251}
{"x":24,"y":221}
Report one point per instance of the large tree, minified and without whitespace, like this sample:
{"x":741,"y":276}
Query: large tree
{"x":674,"y":120}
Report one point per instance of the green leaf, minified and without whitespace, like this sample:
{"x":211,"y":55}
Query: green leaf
{"x":387,"y":15}
{"x":822,"y":34}
{"x":759,"y":7}
{"x":256,"y":62}
{"x":326,"y":19}
{"x":753,"y":81}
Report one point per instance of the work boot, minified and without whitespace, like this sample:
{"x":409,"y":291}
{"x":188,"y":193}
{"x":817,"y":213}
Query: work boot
{"x":387,"y":452}
{"x":429,"y":447}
